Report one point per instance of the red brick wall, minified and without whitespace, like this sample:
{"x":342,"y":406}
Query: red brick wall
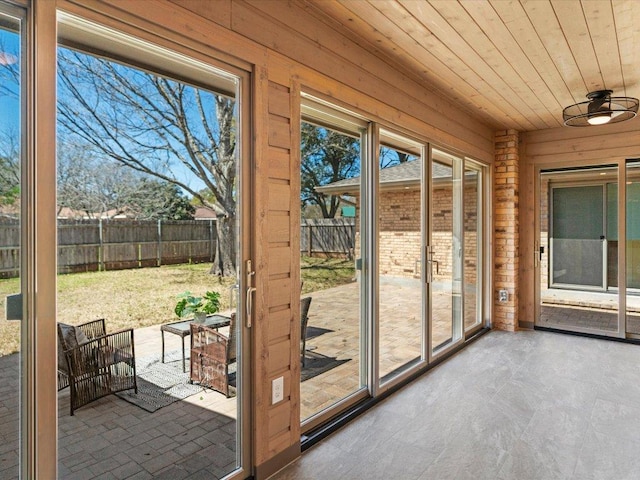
{"x":400,"y":236}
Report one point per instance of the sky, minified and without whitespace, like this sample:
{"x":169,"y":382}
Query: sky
{"x":9,"y":105}
{"x":10,"y":102}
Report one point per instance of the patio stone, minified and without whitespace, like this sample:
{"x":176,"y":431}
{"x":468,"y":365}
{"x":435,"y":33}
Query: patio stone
{"x":159,"y":462}
{"x":105,"y":466}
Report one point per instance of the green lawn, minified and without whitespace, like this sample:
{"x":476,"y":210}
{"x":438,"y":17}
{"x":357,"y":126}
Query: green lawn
{"x":147,"y":296}
{"x":321,"y":273}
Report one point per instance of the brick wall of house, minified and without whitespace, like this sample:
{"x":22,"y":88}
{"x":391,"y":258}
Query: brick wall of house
{"x":506,"y":225}
{"x":400,"y":235}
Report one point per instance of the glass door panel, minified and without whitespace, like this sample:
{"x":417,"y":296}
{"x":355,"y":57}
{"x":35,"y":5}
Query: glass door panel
{"x":473,"y":221}
{"x":578,"y":250}
{"x":578,"y":241}
{"x":140,"y":154}
{"x":445,"y":254}
{"x":633,"y":247}
{"x":400,"y":214}
{"x":11,"y":318}
{"x":332,"y":266}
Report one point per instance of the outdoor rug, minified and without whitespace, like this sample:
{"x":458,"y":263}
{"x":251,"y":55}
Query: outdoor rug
{"x":160,"y":384}
{"x":317,"y":364}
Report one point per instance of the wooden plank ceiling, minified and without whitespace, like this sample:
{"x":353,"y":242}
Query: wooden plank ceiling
{"x":515,"y":64}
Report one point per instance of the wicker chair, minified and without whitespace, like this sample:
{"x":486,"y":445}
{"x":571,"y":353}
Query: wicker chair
{"x":211,"y":354}
{"x":305,"y":303}
{"x":93,"y":363}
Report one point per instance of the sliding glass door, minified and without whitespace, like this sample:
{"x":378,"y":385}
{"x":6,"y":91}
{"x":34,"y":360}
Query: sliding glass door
{"x":445,"y":251}
{"x":400,"y":206}
{"x":632,"y":299}
{"x":392,"y":257}
{"x":147,"y":137}
{"x":334,"y":262}
{"x":473,"y":261}
{"x":579,"y":250}
{"x":12,"y":281}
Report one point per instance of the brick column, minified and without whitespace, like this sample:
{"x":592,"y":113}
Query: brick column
{"x":506,"y":224}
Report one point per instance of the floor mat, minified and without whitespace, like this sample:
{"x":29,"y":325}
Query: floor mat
{"x":317,"y":364}
{"x":160,"y":384}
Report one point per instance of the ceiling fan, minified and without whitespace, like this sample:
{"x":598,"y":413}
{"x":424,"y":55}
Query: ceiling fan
{"x":601,"y":109}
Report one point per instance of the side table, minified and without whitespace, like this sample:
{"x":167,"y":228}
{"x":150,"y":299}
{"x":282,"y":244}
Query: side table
{"x":182,"y":328}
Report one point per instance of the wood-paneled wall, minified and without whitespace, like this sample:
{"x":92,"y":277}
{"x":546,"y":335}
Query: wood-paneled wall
{"x":557,"y":148}
{"x":287,"y":49}
{"x":277,"y":344}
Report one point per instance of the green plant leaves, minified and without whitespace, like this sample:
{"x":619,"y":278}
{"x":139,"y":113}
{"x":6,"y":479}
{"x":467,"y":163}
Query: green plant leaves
{"x":189,"y":305}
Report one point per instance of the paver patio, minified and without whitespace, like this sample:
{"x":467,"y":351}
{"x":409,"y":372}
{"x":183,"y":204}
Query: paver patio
{"x":337,"y":312}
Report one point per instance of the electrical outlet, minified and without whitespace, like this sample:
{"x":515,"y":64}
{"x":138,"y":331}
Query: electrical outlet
{"x":277,"y":390}
{"x":503,"y":296}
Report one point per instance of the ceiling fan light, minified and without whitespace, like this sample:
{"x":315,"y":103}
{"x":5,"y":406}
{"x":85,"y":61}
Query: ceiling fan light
{"x":599,"y":118}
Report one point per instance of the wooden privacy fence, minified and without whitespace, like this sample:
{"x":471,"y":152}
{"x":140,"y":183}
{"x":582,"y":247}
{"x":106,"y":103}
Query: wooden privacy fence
{"x":328,"y":236}
{"x":91,"y":245}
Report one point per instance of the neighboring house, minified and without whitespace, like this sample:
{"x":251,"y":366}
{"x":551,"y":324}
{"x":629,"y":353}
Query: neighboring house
{"x":70,"y":213}
{"x":346,"y":208}
{"x":204,"y":213}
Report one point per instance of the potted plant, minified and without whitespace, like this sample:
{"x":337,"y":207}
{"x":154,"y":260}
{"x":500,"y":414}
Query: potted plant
{"x":199,"y":307}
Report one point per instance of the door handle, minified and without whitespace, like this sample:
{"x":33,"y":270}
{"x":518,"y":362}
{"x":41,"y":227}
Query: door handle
{"x":430,"y":262}
{"x":250,"y":291}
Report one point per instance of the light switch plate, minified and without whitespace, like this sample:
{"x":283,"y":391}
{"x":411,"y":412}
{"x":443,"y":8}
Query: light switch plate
{"x":277,"y":390}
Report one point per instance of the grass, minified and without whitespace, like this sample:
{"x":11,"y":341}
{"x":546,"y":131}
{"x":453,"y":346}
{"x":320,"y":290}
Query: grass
{"x":147,"y":296}
{"x":126,"y":298}
{"x":321,"y":273}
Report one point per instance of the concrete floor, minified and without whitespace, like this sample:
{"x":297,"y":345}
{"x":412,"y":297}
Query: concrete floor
{"x":524,"y":405}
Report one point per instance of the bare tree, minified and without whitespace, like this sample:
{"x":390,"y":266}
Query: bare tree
{"x":10,"y":134}
{"x":159,"y":127}
{"x":101,"y":187}
{"x":9,"y":167}
{"x":90,"y":184}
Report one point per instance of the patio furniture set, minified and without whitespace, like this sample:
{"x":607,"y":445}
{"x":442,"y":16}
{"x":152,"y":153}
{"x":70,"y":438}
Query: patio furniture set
{"x":94,"y":364}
